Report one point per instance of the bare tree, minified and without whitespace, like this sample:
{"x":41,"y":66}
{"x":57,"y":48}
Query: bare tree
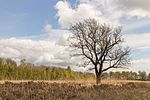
{"x":100,"y":45}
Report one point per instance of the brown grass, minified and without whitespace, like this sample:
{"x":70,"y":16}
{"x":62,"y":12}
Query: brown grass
{"x":83,"y":81}
{"x":74,"y":90}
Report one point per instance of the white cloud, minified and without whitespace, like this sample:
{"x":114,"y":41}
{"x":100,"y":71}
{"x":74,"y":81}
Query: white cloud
{"x":41,"y":52}
{"x":63,"y":39}
{"x":139,"y":8}
{"x":135,"y":25}
{"x":110,"y":11}
{"x":138,"y":41}
{"x":141,"y":64}
{"x":47,"y":28}
{"x":34,"y":51}
{"x":134,"y":8}
{"x":107,"y":7}
{"x":139,"y":13}
{"x":140,"y":45}
{"x":68,"y":15}
{"x":54,"y":51}
{"x":134,"y":4}
{"x":113,"y":11}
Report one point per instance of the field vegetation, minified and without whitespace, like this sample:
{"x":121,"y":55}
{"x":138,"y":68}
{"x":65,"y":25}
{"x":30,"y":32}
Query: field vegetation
{"x":74,"y":91}
{"x":9,"y":70}
{"x":29,"y":82}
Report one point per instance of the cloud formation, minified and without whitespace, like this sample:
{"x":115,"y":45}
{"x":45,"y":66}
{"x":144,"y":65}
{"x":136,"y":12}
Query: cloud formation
{"x":139,"y":8}
{"x":141,"y":64}
{"x":53,"y":50}
{"x":67,"y":14}
{"x":110,"y":11}
{"x":138,"y":41}
{"x":40,"y":52}
{"x":47,"y":28}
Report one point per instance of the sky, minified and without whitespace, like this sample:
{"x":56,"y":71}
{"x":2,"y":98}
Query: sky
{"x":37,"y":30}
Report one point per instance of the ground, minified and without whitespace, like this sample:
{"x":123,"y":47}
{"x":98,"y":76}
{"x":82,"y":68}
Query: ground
{"x":74,"y":90}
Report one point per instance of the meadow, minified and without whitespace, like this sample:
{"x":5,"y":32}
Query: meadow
{"x":75,"y":90}
{"x":30,"y":82}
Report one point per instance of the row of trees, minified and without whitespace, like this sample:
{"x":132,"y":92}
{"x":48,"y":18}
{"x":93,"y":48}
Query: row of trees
{"x":127,"y":75}
{"x":25,"y":71}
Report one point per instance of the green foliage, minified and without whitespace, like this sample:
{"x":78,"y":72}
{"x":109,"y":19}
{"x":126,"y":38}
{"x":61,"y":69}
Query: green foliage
{"x":25,"y":71}
{"x":142,"y":75}
{"x":127,"y":75}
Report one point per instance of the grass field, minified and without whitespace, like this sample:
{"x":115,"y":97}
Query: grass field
{"x":82,"y":81}
{"x":74,"y":90}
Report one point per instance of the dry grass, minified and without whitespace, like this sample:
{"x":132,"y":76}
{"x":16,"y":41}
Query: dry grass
{"x":74,"y":90}
{"x":83,"y":81}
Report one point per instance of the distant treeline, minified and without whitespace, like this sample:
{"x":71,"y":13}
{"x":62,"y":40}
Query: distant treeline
{"x":9,"y":70}
{"x":127,"y":75}
{"x":26,"y":71}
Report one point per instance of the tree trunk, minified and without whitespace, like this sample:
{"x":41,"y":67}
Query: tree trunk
{"x":98,"y":79}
